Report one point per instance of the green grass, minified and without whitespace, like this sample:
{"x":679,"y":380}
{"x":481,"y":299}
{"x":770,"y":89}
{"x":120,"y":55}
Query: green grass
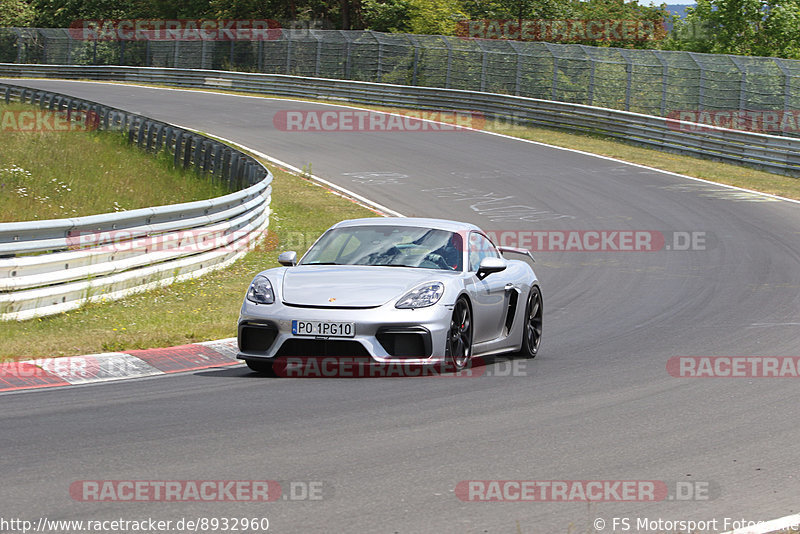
{"x":707,"y":169}
{"x":186,"y":312}
{"x":56,"y":174}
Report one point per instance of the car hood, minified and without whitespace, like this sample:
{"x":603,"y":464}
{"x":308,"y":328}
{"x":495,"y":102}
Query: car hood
{"x":350,"y":286}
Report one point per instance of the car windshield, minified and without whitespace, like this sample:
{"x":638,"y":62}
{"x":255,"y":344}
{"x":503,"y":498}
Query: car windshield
{"x":388,"y":246}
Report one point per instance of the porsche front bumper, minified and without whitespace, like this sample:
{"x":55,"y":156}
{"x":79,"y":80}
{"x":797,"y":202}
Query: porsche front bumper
{"x":384,"y":334}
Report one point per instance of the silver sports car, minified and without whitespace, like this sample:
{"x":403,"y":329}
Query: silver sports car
{"x":410,"y":290}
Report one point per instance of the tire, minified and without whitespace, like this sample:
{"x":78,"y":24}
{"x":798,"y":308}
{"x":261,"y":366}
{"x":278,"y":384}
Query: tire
{"x":260,"y":366}
{"x":459,"y":337}
{"x":532,"y":327}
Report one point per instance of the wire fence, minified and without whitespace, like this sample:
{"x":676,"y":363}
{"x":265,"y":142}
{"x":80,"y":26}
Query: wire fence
{"x":652,"y":82}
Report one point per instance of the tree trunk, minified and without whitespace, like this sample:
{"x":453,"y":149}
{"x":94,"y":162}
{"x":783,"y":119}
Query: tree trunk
{"x":345,"y":9}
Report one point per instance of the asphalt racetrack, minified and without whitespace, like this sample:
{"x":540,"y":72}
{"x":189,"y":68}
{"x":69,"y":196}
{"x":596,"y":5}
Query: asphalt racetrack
{"x":388,"y":454}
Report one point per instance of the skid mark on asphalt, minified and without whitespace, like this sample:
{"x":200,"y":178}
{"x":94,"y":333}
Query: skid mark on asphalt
{"x":723,"y":193}
{"x":493,"y":206}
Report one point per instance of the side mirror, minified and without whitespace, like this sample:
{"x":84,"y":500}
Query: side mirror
{"x":490,"y":265}
{"x":288,"y":258}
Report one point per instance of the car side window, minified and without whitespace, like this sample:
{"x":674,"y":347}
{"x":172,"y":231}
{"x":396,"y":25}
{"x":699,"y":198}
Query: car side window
{"x":480,"y":247}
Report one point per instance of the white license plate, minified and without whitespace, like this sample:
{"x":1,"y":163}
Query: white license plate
{"x":323,"y":328}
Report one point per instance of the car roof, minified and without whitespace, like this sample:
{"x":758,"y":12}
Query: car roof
{"x":417,"y":222}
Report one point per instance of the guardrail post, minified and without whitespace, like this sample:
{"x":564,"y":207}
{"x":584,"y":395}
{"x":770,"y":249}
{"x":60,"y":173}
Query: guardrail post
{"x":379,"y":76}
{"x":178,"y":148}
{"x":169,"y":138}
{"x":416,"y":59}
{"x":701,"y":89}
{"x":197,"y":155}
{"x":518,"y":77}
{"x":116,"y":120}
{"x":664,"y":84}
{"x":131,"y":128}
{"x":204,"y":55}
{"x":347,"y":55}
{"x":628,"y":81}
{"x":225,"y":167}
{"x":232,"y":169}
{"x":484,"y":66}
{"x":216,"y":167}
{"x":207,"y":157}
{"x":555,"y":78}
{"x":787,"y":83}
{"x":742,"y":82}
{"x":288,"y":54}
{"x":240,"y":173}
{"x":142,"y":124}
{"x":187,"y":151}
{"x":159,"y":142}
{"x":318,"y":58}
{"x":149,"y":135}
{"x":449,"y":62}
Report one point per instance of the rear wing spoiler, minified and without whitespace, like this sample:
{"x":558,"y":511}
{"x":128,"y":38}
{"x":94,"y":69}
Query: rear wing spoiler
{"x":517,"y":250}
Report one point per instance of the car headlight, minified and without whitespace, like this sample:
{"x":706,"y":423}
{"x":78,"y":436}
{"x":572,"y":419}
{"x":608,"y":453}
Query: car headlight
{"x":260,"y":291}
{"x":422,"y":297}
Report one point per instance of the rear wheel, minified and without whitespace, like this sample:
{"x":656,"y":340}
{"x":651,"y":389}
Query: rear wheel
{"x":532,"y":327}
{"x":260,"y":366}
{"x":459,"y":337}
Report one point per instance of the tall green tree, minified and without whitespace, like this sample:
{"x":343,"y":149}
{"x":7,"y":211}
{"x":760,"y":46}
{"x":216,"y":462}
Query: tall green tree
{"x":387,"y":15}
{"x":519,"y":9}
{"x":744,"y":27}
{"x":431,"y":17}
{"x":16,"y":13}
{"x":632,"y":25}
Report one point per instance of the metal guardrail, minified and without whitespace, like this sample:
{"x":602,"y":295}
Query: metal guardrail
{"x":772,"y":153}
{"x":52,"y":266}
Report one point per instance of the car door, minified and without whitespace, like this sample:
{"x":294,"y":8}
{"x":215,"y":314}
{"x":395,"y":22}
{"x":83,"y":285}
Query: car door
{"x":489,"y":296}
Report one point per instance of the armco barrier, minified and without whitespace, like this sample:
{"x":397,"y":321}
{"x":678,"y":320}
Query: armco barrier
{"x":778,"y":154}
{"x":52,"y":266}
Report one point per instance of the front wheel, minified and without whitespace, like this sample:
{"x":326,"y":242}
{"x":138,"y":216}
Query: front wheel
{"x":459,"y":337}
{"x":532,"y":333}
{"x":260,"y":366}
